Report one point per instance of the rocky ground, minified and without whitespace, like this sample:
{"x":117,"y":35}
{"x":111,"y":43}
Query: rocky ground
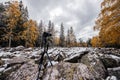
{"x":74,"y":63}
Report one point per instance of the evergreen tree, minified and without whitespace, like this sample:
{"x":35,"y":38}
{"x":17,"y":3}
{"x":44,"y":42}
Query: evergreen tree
{"x":89,"y":43}
{"x":72,"y":37}
{"x":53,"y":34}
{"x":62,"y":37}
{"x":49,"y":26}
{"x":40,"y":28}
{"x":68,"y":38}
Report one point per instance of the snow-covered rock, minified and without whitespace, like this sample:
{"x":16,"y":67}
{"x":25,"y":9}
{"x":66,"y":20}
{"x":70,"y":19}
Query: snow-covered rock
{"x":75,"y":63}
{"x":114,"y":71}
{"x":111,"y":78}
{"x":19,"y":48}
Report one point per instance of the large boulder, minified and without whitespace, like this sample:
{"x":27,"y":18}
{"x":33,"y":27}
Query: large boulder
{"x":71,"y":71}
{"x":95,"y":65}
{"x":16,"y":60}
{"x":27,"y":71}
{"x":76,"y":57}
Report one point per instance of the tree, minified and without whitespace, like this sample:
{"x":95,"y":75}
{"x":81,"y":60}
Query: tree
{"x":68,"y":38}
{"x":3,"y":27}
{"x":53,"y":32}
{"x":49,"y":26}
{"x":95,"y":41}
{"x":108,"y":24}
{"x":72,"y":37}
{"x":30,"y":35}
{"x":40,"y":30}
{"x":62,"y":37}
{"x":81,"y":42}
{"x":13,"y":13}
{"x":89,"y":42}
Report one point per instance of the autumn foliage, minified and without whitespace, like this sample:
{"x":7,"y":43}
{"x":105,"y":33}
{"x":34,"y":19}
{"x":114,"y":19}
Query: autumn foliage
{"x":108,"y":23}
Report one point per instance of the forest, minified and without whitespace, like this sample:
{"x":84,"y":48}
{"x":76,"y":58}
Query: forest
{"x":16,"y":28}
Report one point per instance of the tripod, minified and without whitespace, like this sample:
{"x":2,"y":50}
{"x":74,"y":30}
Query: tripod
{"x":41,"y":59}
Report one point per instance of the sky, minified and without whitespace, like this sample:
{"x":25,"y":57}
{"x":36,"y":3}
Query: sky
{"x":80,"y":14}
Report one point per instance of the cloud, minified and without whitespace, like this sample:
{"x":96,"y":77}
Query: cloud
{"x":80,"y":14}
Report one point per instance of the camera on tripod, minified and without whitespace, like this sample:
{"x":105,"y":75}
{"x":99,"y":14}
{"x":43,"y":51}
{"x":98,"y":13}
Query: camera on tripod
{"x":45,"y":45}
{"x":46,"y":40}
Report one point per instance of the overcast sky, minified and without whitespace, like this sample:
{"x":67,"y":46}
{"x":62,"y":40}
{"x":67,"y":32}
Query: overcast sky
{"x":80,"y":14}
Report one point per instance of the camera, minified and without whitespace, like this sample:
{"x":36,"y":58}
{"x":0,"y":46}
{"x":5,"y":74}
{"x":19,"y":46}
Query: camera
{"x":45,"y":40}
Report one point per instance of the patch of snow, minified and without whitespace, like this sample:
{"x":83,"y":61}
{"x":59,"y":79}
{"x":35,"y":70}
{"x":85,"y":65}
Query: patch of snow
{"x":53,"y":62}
{"x":5,"y":54}
{"x":17,"y":52}
{"x":115,"y":57}
{"x":18,"y":55}
{"x":114,"y":69}
{"x":5,"y":59}
{"x":2,"y":69}
{"x":111,"y":78}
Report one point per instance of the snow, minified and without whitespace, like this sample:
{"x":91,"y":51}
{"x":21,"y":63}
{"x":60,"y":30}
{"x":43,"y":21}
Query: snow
{"x":18,"y":55}
{"x":2,"y":53}
{"x":114,"y":69}
{"x":111,"y":78}
{"x":53,"y":62}
{"x":5,"y":59}
{"x":115,"y":57}
{"x":2,"y":69}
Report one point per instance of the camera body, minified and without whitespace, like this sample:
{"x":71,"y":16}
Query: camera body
{"x":45,"y":39}
{"x":46,"y":34}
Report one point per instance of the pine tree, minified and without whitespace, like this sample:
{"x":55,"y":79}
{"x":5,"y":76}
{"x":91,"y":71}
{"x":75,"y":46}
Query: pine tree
{"x":40,"y":29}
{"x":72,"y":37}
{"x":49,"y":26}
{"x":53,"y":34}
{"x":3,"y":28}
{"x":62,"y":37}
{"x":68,"y":38}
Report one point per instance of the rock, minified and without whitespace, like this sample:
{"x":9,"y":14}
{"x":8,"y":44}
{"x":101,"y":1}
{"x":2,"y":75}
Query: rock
{"x":6,"y":55}
{"x":95,"y":65}
{"x":68,"y":64}
{"x":114,"y":71}
{"x":1,"y":62}
{"x":60,"y":56}
{"x":9,"y":70}
{"x":16,"y":60}
{"x":19,"y":48}
{"x":75,"y":58}
{"x":70,"y":71}
{"x":111,"y":78}
{"x":28,"y":71}
{"x":109,"y":62}
{"x":28,"y":49}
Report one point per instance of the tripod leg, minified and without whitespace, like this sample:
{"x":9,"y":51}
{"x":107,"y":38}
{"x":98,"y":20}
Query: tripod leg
{"x":49,"y":59}
{"x":40,"y":65}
